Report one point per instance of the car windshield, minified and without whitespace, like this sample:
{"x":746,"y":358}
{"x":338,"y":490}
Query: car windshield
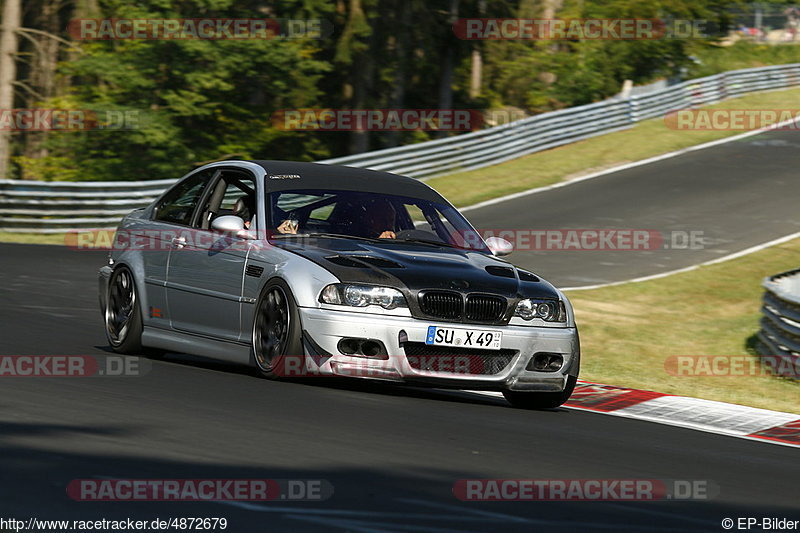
{"x":363,"y":215}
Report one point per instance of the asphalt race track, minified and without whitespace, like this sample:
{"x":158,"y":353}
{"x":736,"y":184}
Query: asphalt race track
{"x":739,"y":194}
{"x":393,"y":454}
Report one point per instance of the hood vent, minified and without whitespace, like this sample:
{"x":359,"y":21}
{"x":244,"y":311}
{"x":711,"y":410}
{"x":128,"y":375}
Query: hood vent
{"x":503,"y":272}
{"x":527,"y":276}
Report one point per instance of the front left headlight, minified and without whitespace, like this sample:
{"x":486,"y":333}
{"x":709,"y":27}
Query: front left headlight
{"x":547,"y":310}
{"x":362,"y":296}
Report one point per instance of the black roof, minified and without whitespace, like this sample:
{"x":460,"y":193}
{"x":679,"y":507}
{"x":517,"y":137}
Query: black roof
{"x":321,"y":176}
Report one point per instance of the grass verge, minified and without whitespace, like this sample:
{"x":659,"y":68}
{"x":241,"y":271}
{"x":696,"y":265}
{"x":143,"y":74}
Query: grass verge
{"x":646,"y":139}
{"x":33,"y":238}
{"x":628,"y":331}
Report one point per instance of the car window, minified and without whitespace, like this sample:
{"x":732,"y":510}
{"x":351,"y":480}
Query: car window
{"x":417,"y":216}
{"x":239,"y":198}
{"x":178,"y":205}
{"x":322,"y":213}
{"x":233,"y":193}
{"x":430,"y":219}
{"x":289,"y":201}
{"x":363,"y":214}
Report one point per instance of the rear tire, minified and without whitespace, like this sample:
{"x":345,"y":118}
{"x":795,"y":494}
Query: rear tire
{"x":123,"y":315}
{"x":277,"y":333}
{"x":541,"y":400}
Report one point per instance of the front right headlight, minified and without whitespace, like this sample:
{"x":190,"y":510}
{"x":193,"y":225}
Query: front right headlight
{"x":362,"y":296}
{"x":547,"y":310}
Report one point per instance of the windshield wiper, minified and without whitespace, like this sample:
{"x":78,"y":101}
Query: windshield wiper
{"x":371,"y":239}
{"x":331,"y":235}
{"x":429,"y":241}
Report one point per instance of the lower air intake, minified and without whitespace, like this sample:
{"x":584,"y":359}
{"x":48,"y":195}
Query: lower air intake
{"x":466,"y":361}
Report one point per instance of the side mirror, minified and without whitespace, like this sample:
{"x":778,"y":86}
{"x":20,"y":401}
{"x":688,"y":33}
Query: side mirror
{"x":499,"y":246}
{"x":231,"y":224}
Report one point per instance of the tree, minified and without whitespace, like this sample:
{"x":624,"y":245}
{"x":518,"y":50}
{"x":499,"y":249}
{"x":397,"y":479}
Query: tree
{"x":194,"y":100}
{"x":12,"y":20}
{"x":201,"y":100}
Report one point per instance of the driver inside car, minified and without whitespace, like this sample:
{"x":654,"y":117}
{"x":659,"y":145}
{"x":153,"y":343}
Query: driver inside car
{"x":379,"y":219}
{"x":374,"y":219}
{"x":245,"y":208}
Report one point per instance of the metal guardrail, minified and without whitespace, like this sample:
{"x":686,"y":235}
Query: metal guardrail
{"x":51,"y":207}
{"x":779,"y":337}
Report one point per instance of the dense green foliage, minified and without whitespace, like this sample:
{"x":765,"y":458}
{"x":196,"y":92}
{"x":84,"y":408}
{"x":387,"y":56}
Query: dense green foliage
{"x":203,"y":100}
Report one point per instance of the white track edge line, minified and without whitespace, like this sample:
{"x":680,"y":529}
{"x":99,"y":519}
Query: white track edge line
{"x":735,"y":255}
{"x":626,"y":166}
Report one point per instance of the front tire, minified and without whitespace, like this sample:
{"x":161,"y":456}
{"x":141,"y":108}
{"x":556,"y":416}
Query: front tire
{"x":541,"y":400}
{"x":123,"y":315}
{"x":277,"y":333}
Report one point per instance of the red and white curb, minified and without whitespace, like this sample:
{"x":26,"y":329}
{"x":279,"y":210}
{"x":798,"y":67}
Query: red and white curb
{"x":693,"y":413}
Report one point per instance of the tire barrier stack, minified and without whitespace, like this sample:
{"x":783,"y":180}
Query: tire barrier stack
{"x":779,"y":338}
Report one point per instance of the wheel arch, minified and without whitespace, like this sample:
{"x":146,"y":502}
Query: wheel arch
{"x":305,"y":278}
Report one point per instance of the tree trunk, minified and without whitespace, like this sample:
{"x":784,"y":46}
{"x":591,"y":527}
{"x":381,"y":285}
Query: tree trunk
{"x":549,"y":12}
{"x":397,"y":97}
{"x":362,"y":90}
{"x":357,"y":56}
{"x":42,"y":77}
{"x":476,"y":74}
{"x":476,"y":66}
{"x":550,"y":8}
{"x":12,"y":20}
{"x":448,"y":64}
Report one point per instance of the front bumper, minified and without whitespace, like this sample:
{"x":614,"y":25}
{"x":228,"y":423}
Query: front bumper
{"x":323,"y":329}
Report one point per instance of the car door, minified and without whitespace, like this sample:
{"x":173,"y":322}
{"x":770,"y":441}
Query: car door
{"x":173,"y":214}
{"x":206,"y":269}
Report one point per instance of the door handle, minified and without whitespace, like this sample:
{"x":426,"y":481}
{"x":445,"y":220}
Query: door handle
{"x":179,"y":242}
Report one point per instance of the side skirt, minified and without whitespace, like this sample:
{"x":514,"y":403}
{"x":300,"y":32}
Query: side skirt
{"x":176,"y":341}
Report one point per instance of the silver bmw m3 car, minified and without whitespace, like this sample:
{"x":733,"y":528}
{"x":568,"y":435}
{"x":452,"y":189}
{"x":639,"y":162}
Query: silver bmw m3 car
{"x":303,"y":269}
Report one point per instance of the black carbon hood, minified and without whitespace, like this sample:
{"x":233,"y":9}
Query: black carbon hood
{"x":413,"y":267}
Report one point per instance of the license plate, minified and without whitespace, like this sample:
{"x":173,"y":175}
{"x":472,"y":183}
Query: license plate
{"x":464,"y":338}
